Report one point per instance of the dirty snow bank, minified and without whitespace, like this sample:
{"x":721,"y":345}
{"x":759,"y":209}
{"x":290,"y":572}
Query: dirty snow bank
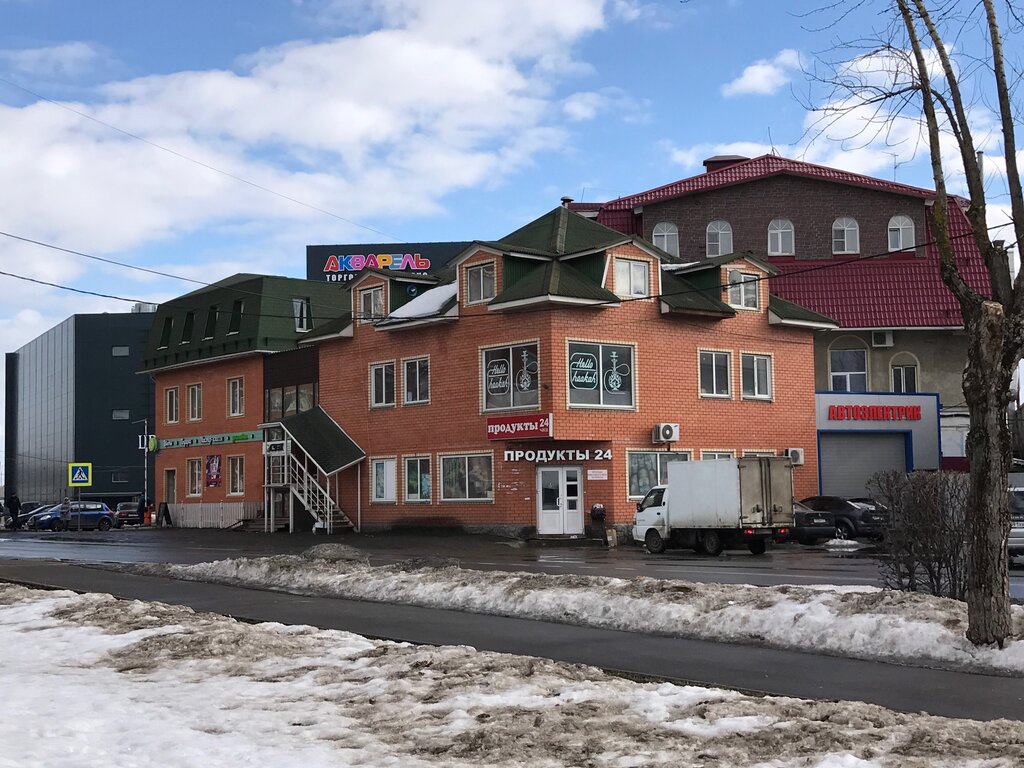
{"x":105,"y":682}
{"x":857,"y":622}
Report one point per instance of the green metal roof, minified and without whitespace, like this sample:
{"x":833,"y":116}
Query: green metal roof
{"x":787,"y":310}
{"x":325,"y":442}
{"x":681,"y":295}
{"x":242,"y":314}
{"x":560,"y":232}
{"x":555,"y":278}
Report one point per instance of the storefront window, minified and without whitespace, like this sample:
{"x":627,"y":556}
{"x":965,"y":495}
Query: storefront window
{"x":274,"y":401}
{"x":307,"y":399}
{"x":600,"y":375}
{"x":289,"y":401}
{"x":466,"y":478}
{"x":649,"y":468}
{"x":511,"y":377}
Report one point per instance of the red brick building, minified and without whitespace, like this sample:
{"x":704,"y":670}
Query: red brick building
{"x":522,"y":386}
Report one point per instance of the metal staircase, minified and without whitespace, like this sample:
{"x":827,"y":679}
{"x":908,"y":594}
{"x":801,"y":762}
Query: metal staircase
{"x":285,"y":469}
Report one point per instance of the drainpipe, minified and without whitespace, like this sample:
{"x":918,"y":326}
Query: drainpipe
{"x":359,"y":497}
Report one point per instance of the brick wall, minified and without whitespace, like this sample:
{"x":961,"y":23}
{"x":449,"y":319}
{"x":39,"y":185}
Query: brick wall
{"x":811,"y":204}
{"x":666,"y":374}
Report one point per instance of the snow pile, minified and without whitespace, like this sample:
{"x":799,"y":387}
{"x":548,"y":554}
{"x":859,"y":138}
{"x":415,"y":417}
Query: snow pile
{"x":101,"y":682}
{"x":856,"y":622}
{"x":843,"y":544}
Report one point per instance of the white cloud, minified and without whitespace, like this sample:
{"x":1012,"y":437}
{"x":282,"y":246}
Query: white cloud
{"x":766,"y":76}
{"x":65,"y":60}
{"x":586,"y":105}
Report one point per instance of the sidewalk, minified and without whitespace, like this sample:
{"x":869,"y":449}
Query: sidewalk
{"x":745,"y":668}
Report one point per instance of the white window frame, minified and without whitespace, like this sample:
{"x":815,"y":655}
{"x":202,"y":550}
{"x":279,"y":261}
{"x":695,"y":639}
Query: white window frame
{"x":194,"y":472}
{"x":302,"y":313}
{"x":171,"y":403}
{"x":659,"y":462}
{"x":728,"y":374}
{"x":715,"y":455}
{"x":120,"y":414}
{"x":389,"y":466}
{"x":382,"y":368}
{"x":236,"y":475}
{"x":903,"y":227}
{"x":465,"y":457}
{"x":508,"y":348}
{"x":195,"y":402}
{"x":476,"y":278}
{"x":846,"y":229}
{"x":901,"y":367}
{"x":744,"y":289}
{"x":632,"y":278}
{"x":845,"y":375}
{"x":236,"y":396}
{"x":421,"y":400}
{"x":666,"y":236}
{"x":777,"y":231}
{"x":120,"y":350}
{"x":715,"y":237}
{"x":756,"y":394}
{"x":371,"y":315}
{"x":418,"y":497}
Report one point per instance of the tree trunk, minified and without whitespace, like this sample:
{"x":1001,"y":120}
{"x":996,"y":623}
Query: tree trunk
{"x":986,"y":387}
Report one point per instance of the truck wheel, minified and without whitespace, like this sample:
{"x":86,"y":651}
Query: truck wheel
{"x":712,"y":543}
{"x":758,"y":546}
{"x":654,"y":543}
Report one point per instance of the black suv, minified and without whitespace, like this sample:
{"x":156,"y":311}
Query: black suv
{"x":853,"y":518}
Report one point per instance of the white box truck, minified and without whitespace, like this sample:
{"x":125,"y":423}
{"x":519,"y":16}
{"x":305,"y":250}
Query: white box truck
{"x":711,"y":505}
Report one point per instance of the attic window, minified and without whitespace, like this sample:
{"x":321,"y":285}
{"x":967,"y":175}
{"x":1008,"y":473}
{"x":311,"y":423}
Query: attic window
{"x":371,"y":304}
{"x":480,"y":283}
{"x":631,"y":278}
{"x":186,"y":327}
{"x":235,"y":324}
{"x":165,"y":332}
{"x":211,"y":322}
{"x":303,"y":321}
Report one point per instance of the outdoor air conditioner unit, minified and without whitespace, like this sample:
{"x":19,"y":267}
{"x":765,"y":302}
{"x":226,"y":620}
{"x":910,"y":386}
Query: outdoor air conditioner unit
{"x":665,"y":433}
{"x":796,"y":455}
{"x":881,"y":338}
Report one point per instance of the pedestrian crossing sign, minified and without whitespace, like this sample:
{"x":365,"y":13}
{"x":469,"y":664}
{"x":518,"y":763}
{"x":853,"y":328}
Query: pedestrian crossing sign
{"x":79,"y":474}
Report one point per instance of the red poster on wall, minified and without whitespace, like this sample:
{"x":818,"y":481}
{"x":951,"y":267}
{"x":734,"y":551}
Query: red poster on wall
{"x":212,"y":471}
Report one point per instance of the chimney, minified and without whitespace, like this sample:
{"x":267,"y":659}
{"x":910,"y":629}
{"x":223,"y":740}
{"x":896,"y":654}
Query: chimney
{"x":718,"y":162}
{"x":565,"y":201}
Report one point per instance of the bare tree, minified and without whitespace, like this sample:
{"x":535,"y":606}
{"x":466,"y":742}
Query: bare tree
{"x":920,"y":71}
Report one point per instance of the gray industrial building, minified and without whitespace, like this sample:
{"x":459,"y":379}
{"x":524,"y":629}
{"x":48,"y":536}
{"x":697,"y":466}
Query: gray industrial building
{"x":74,"y":395}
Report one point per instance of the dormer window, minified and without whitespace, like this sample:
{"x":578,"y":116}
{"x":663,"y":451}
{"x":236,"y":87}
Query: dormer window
{"x":211,"y":322}
{"x":371,"y":304}
{"x":480,"y":283}
{"x":901,"y":233}
{"x":300,"y":309}
{"x":719,"y":238}
{"x":165,"y":332}
{"x":186,"y":327}
{"x":631,"y":278}
{"x":666,"y":237}
{"x":780,"y":238}
{"x":742,"y":290}
{"x":235,"y":323}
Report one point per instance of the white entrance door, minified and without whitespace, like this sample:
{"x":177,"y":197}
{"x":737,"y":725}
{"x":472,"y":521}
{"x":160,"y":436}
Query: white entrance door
{"x":559,"y":508}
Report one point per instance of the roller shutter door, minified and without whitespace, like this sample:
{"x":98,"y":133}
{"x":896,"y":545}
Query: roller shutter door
{"x":849,"y":459}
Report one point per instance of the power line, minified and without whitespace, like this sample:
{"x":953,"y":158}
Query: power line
{"x":200,"y":163}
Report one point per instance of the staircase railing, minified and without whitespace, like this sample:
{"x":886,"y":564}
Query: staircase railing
{"x":286,"y":468}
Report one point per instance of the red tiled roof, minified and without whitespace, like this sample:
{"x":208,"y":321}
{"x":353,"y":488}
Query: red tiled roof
{"x":899,"y":291}
{"x":758,"y":168}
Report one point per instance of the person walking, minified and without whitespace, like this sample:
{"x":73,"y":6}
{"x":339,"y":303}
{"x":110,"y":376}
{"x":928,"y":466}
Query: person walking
{"x":65,"y":514}
{"x":14,"y":506}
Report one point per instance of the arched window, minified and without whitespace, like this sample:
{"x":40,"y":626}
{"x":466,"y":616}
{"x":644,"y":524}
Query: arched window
{"x":901,"y":233}
{"x":780,"y":238}
{"x":719,"y":238}
{"x":666,"y":237}
{"x":845,"y":235}
{"x":848,"y":365}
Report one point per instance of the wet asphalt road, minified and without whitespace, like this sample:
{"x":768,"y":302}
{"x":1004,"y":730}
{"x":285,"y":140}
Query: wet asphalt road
{"x":784,"y":564}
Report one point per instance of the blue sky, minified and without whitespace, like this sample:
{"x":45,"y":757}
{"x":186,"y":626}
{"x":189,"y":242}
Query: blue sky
{"x":419,"y":119}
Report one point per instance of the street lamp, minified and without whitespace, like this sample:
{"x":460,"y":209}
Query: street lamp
{"x":144,"y":447}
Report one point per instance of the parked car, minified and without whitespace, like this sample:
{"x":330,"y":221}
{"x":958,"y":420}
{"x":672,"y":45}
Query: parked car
{"x":852,"y":520}
{"x":809,"y":525}
{"x":1016,"y":541}
{"x":27,"y":508}
{"x":127,"y":513}
{"x":93,"y":514}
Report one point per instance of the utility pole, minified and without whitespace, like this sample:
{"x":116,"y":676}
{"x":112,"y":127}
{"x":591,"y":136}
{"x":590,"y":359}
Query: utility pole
{"x":144,"y":447}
